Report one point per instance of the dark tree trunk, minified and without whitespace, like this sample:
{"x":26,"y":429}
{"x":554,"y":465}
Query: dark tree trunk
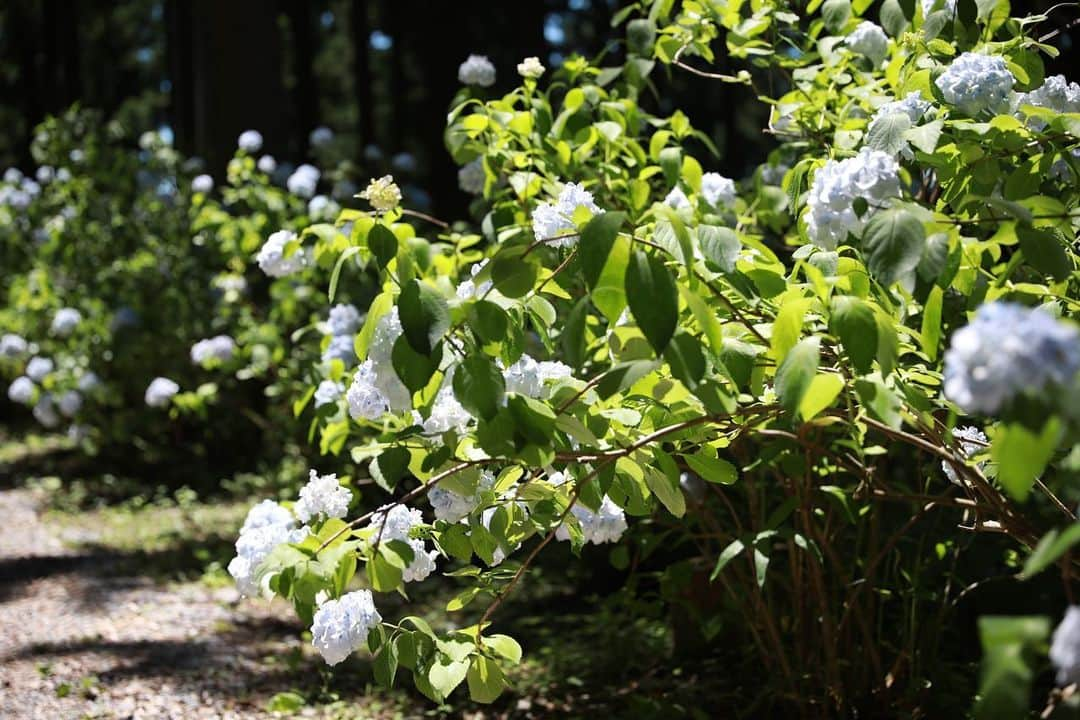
{"x":305,"y":94}
{"x":361,"y":34}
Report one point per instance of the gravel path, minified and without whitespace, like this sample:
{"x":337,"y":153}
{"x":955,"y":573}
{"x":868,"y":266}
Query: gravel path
{"x":79,"y":638}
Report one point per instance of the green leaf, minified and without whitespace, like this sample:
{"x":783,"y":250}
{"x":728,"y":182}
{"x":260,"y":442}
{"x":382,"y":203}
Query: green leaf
{"x":880,"y":400}
{"x":892,"y":18}
{"x":1044,"y":251}
{"x":385,"y":664}
{"x":533,"y":419}
{"x":504,"y":646}
{"x":720,"y":246}
{"x":894,"y":240}
{"x":836,"y":13}
{"x":383,"y":244}
{"x":821,"y":392}
{"x":685,"y":358}
{"x":597,"y":240}
{"x":925,"y":137}
{"x":931,"y":323}
{"x":797,"y":371}
{"x":390,"y":467}
{"x":572,"y":338}
{"x":486,"y":680}
{"x":425,"y":317}
{"x":479,"y":386}
{"x":622,"y":376}
{"x":888,"y":133}
{"x":653,"y":299}
{"x":666,"y":490}
{"x":512,"y":275}
{"x":285,"y":702}
{"x":384,"y":576}
{"x":1009,"y":644}
{"x":349,"y":252}
{"x":1022,"y":455}
{"x":788,"y":326}
{"x":413,"y":368}
{"x":1053,"y":545}
{"x":712,"y":469}
{"x":488,"y":320}
{"x":609,"y":293}
{"x":444,"y":678}
{"x":853,"y":321}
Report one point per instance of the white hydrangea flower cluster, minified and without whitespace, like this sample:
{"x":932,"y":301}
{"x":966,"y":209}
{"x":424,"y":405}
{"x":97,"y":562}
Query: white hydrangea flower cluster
{"x":343,"y":322}
{"x":529,"y":377}
{"x":717,"y":190}
{"x":271,"y":257}
{"x":88,"y":382}
{"x":446,"y":412}
{"x":605,"y":525}
{"x":303,"y":181}
{"x":45,"y":174}
{"x":45,"y":411}
{"x":471,"y":177}
{"x":383,"y":193}
{"x":476,"y":70}
{"x":160,"y":392}
{"x":1006,"y":351}
{"x":677,"y":199}
{"x":974,"y":82}
{"x":70,"y":403}
{"x":323,"y":497}
{"x":1065,"y":647}
{"x":870,"y":41}
{"x":266,"y":526}
{"x":341,"y":626}
{"x":871,"y":175}
{"x":328,"y":392}
{"x":376,"y":388}
{"x":65,"y":321}
{"x":20,"y":191}
{"x":396,"y":523}
{"x":22,"y":390}
{"x":468,"y":289}
{"x":13,"y":346}
{"x":202,"y":184}
{"x":929,"y":6}
{"x":267,"y":164}
{"x":556,"y":220}
{"x":322,"y":208}
{"x":453,"y":507}
{"x":220,"y":348}
{"x":530,"y":67}
{"x":321,"y":136}
{"x":39,"y":367}
{"x":250,"y":141}
{"x":912,"y":105}
{"x":971,"y":440}
{"x":1056,"y":93}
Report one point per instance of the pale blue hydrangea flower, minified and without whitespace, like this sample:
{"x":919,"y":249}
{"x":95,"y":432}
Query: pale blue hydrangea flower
{"x":605,"y":525}
{"x":468,"y":289}
{"x":323,"y":497}
{"x":328,"y":392}
{"x":1009,"y":350}
{"x":320,"y":136}
{"x":322,"y":208}
{"x":871,"y":175}
{"x":45,"y":411}
{"x":1065,"y":648}
{"x":476,"y":70}
{"x":555,"y":220}
{"x":12,"y":345}
{"x":65,"y":321}
{"x":70,"y":403}
{"x":366,"y":400}
{"x":220,"y":348}
{"x":677,"y":199}
{"x":271,"y":257}
{"x":344,"y":319}
{"x":267,"y":525}
{"x":303,"y":181}
{"x":399,"y":522}
{"x":974,"y":82}
{"x":452,"y":507}
{"x":341,"y":626}
{"x":202,"y":184}
{"x":471,"y":177}
{"x":529,"y":377}
{"x":341,"y":347}
{"x":971,"y":440}
{"x":39,"y":367}
{"x":870,"y":41}
{"x":717,"y":190}
{"x":160,"y":392}
{"x":88,"y":382}
{"x":1056,"y":93}
{"x":250,"y":141}
{"x":912,"y":106}
{"x":22,"y":390}
{"x":267,"y":164}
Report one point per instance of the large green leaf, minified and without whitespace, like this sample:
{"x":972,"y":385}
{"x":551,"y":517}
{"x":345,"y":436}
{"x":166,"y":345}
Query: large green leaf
{"x":413,"y":368}
{"x":383,"y":243}
{"x":894,"y":241}
{"x":425,"y":317}
{"x":797,"y":371}
{"x":1021,"y":455}
{"x":853,"y":320}
{"x":653,"y":299}
{"x":479,"y":386}
{"x":597,"y":240}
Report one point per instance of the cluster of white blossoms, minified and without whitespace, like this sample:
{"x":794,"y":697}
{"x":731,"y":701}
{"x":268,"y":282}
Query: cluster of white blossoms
{"x":928,"y":6}
{"x":530,"y":377}
{"x":974,"y":82}
{"x":376,"y":388}
{"x":328,"y":392}
{"x":395,"y":523}
{"x":452,"y":507}
{"x":160,"y":392}
{"x":1006,"y":351}
{"x":22,"y":390}
{"x":1056,"y":93}
{"x":913,"y":106}
{"x":266,"y":526}
{"x":250,"y":141}
{"x":476,"y":70}
{"x":39,"y":367}
{"x":341,"y":626}
{"x":323,"y":497}
{"x":383,"y":193}
{"x":88,"y":382}
{"x":220,"y":348}
{"x":45,"y":411}
{"x":202,"y":184}
{"x":65,"y":321}
{"x":343,"y":322}
{"x":468,"y":289}
{"x":556,"y":220}
{"x":1065,"y":648}
{"x":530,"y":67}
{"x":605,"y":525}
{"x":13,"y":346}
{"x":322,"y":208}
{"x":870,"y":41}
{"x":18,"y":191}
{"x":470,"y":177}
{"x":70,"y":403}
{"x":321,"y":136}
{"x":871,"y":175}
{"x":677,"y":199}
{"x":971,"y":440}
{"x":267,"y":164}
{"x":446,"y":412}
{"x":303,"y":181}
{"x":272,"y":259}
{"x":718,"y":191}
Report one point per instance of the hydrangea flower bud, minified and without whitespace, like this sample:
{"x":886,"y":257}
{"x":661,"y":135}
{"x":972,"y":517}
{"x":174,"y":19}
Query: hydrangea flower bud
{"x":476,"y":70}
{"x":530,"y":67}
